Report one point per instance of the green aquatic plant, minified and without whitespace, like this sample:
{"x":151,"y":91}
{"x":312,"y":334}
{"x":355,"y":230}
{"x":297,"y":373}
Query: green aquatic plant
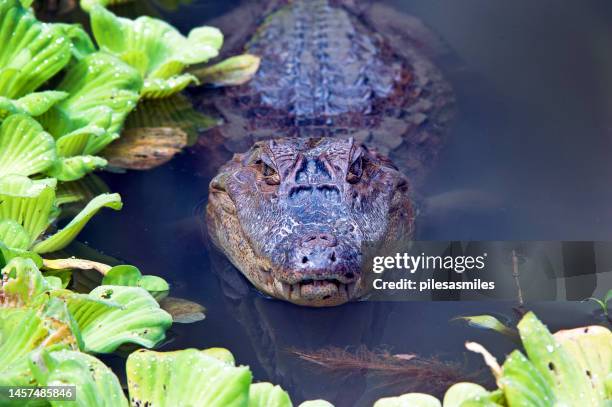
{"x":77,"y":119}
{"x":95,"y":383}
{"x":32,"y":52}
{"x":268,"y":395}
{"x":37,"y":314}
{"x":489,"y":322}
{"x":102,"y":320}
{"x":603,"y":304}
{"x":102,"y":92}
{"x":570,"y":368}
{"x":155,"y":49}
{"x":28,"y":209}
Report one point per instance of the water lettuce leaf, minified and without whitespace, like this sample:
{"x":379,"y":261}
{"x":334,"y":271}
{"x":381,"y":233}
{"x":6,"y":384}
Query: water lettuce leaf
{"x":82,"y":45}
{"x":569,"y":384}
{"x":7,"y":254}
{"x":96,"y":384}
{"x":25,"y":148}
{"x":75,"y":168}
{"x":268,"y":395}
{"x":23,"y":331}
{"x":32,"y":104}
{"x":459,"y":393}
{"x":28,"y":207}
{"x":155,"y":49}
{"x":28,"y":204}
{"x":130,"y":276}
{"x":188,"y":377}
{"x":64,"y":236}
{"x":591,"y":347}
{"x":22,"y":284}
{"x":110,"y":316}
{"x":29,"y":320}
{"x":32,"y":52}
{"x":103,"y":91}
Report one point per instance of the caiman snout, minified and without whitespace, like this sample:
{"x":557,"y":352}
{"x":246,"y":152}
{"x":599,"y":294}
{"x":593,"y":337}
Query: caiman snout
{"x":319,"y":268}
{"x":316,"y":253}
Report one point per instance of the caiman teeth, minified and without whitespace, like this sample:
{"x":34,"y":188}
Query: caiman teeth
{"x":350,"y":289}
{"x":308,"y":287}
{"x":282,"y":289}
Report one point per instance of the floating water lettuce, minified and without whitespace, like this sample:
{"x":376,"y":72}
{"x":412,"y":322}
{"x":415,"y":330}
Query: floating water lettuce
{"x":25,"y":148}
{"x":268,"y":395}
{"x":32,"y":52}
{"x":490,"y":322}
{"x":156,"y":49}
{"x":186,"y":378}
{"x":27,"y":209}
{"x":29,"y":320}
{"x":38,"y":318}
{"x":571,"y":368}
{"x":96,"y":385}
{"x":103,"y":91}
{"x":33,"y":104}
{"x":130,"y":276}
{"x":110,"y":316}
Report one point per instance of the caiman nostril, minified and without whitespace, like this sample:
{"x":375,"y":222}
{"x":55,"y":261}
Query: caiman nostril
{"x":318,"y":240}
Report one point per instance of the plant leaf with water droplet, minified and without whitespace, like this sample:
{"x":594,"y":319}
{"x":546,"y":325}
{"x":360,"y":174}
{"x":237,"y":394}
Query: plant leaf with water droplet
{"x":22,"y":331}
{"x":21,"y":284}
{"x":591,"y":347}
{"x":28,"y":203}
{"x":561,"y":371}
{"x":268,"y":395}
{"x":115,"y":315}
{"x":25,"y":148}
{"x":32,"y":52}
{"x":188,"y":377}
{"x":166,"y":52}
{"x":96,"y":385}
{"x":76,"y":167}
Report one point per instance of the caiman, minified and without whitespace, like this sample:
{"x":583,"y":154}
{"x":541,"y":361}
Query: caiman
{"x":334,"y":98}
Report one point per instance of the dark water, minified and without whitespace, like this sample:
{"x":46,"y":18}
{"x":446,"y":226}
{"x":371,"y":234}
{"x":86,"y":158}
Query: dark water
{"x":527,"y":157}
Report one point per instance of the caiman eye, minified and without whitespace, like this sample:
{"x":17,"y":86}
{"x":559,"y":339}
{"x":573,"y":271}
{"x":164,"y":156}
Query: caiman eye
{"x":355,"y":171}
{"x":270,"y":175}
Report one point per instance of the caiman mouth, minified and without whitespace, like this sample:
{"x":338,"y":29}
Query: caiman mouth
{"x":317,"y":291}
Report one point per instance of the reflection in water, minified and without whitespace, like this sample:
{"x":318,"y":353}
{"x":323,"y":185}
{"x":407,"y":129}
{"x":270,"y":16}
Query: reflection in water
{"x":532,"y":133}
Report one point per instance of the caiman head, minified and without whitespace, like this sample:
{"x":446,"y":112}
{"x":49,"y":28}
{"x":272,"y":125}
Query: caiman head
{"x":291,"y":215}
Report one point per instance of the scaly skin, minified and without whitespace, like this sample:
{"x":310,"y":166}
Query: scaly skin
{"x":293,"y":211}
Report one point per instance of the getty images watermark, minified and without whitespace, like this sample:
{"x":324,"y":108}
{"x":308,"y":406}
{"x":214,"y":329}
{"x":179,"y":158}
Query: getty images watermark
{"x":411,"y":264}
